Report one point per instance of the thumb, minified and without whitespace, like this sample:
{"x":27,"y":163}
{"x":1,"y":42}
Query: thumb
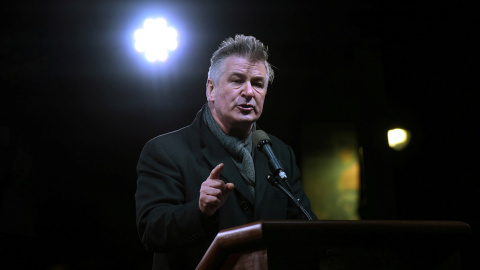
{"x":229,"y":187}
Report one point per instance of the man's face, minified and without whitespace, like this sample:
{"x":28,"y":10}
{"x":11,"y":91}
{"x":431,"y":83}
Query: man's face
{"x":237,"y":101}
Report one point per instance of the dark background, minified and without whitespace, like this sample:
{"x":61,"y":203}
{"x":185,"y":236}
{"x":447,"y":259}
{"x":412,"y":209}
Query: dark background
{"x":78,"y":103}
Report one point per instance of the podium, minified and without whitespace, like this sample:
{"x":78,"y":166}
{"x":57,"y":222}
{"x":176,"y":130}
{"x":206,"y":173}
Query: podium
{"x":340,"y":245}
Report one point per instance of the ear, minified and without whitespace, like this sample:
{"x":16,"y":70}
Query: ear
{"x":210,"y":90}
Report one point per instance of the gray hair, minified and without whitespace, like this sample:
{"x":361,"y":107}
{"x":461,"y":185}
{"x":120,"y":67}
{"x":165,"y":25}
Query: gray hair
{"x":243,"y":46}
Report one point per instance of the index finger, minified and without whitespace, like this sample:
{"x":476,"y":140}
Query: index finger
{"x":215,"y":173}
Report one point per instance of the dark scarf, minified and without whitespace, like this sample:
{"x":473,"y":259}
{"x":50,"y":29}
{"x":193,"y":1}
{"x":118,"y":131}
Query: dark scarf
{"x":240,"y":151}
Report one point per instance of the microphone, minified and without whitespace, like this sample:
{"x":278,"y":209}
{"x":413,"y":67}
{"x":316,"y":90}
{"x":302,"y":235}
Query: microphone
{"x":261,"y":140}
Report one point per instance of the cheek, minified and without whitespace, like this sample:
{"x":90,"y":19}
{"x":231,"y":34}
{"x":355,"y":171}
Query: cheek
{"x":224,"y":95}
{"x":259,"y":100}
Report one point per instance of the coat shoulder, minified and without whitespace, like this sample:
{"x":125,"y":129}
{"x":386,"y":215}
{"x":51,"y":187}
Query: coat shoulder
{"x":174,"y":139}
{"x":277,"y":143}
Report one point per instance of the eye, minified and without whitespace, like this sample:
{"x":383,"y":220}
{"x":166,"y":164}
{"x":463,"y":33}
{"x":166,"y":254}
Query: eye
{"x":236,"y":80}
{"x":259,"y":84}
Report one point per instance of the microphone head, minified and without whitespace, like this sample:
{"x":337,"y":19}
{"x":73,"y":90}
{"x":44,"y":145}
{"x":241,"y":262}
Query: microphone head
{"x":259,"y":137}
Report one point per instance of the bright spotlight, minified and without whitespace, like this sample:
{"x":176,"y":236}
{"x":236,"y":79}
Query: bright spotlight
{"x":155,"y":39}
{"x":398,"y":138}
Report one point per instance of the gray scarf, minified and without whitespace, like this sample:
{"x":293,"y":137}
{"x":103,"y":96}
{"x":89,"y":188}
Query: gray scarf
{"x":240,"y":151}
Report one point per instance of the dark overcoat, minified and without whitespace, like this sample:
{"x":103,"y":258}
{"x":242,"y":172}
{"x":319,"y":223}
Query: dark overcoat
{"x":171,"y":170}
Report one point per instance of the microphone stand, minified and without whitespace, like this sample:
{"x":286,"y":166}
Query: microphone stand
{"x":274,"y":181}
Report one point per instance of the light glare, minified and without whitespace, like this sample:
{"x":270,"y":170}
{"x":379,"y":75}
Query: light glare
{"x":155,"y":39}
{"x":398,"y":138}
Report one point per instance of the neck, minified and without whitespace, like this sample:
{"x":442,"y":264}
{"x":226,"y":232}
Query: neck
{"x":238,"y":132}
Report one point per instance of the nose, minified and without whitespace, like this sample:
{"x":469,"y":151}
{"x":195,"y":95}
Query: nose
{"x":248,"y":90}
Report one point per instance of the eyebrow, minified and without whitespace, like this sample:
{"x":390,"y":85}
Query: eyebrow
{"x":242,"y":75}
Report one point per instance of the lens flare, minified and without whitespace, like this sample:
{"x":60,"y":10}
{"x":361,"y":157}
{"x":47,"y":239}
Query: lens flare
{"x":155,"y":39}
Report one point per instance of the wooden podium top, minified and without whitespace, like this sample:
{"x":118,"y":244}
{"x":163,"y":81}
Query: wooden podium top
{"x":292,"y":233}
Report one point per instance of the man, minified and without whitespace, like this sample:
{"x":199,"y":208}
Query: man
{"x":207,"y":176}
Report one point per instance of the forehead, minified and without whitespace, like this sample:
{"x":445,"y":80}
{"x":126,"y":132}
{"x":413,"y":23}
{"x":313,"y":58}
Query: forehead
{"x":238,"y":64}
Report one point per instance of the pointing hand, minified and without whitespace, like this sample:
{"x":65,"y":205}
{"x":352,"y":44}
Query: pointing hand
{"x":214,"y":192}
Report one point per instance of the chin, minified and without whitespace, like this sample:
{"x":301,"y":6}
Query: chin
{"x":247,"y":118}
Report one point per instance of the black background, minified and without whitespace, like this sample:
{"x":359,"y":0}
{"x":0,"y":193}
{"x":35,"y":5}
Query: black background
{"x":78,"y":100}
